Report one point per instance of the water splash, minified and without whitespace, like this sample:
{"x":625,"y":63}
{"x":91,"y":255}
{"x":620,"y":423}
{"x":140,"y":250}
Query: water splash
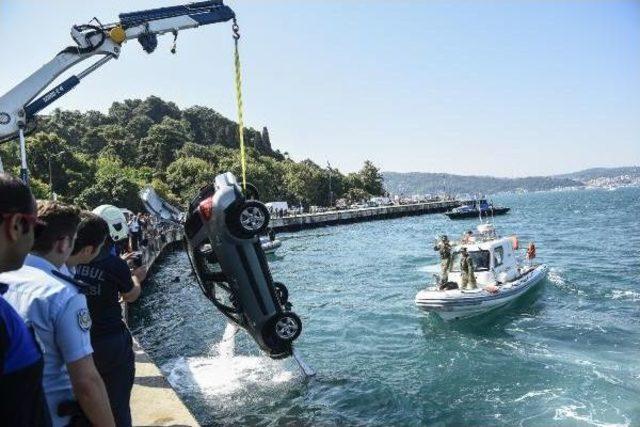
{"x":225,"y":349}
{"x":224,"y":373}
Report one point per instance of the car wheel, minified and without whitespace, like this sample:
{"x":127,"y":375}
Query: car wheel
{"x":287,"y":327}
{"x":249,"y":220}
{"x":282,"y":293}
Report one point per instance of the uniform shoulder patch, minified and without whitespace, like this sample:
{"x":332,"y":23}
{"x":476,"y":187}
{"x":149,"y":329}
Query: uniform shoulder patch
{"x":84,"y":319}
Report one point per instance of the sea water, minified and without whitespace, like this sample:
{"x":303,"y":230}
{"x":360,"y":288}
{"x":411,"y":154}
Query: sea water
{"x":566,"y":354}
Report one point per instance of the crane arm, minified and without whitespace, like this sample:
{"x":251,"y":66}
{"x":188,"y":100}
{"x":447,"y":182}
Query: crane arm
{"x":19,"y":105}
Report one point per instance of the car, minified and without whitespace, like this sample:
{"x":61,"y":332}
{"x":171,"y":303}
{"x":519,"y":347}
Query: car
{"x":222,"y":231}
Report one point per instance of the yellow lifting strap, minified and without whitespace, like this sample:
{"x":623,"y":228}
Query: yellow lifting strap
{"x":243,"y":158}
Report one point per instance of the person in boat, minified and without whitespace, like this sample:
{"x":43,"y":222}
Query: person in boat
{"x":531,"y":252}
{"x":466,"y":268}
{"x":468,"y":237}
{"x":443,"y":247}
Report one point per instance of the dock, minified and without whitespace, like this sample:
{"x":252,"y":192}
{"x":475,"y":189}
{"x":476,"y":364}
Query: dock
{"x":350,"y":216}
{"x":153,"y":401}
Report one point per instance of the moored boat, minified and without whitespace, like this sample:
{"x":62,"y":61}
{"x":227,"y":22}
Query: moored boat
{"x":500,"y":278}
{"x":269,"y":246}
{"x":477,"y":209}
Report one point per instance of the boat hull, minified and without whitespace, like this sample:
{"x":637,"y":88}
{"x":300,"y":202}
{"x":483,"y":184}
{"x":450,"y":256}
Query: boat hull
{"x":456,"y":304}
{"x":475,"y":214}
{"x":271,"y":247}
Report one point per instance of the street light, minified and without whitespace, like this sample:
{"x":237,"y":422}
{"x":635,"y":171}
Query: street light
{"x":50,"y":174}
{"x":330,"y":190}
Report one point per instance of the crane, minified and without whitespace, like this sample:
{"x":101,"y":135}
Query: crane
{"x":19,"y":105}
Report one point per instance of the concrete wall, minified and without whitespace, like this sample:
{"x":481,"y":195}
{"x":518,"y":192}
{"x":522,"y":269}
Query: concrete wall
{"x":153,"y":400}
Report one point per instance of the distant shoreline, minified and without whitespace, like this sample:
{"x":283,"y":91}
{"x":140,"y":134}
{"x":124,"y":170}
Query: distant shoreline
{"x":410,"y":183}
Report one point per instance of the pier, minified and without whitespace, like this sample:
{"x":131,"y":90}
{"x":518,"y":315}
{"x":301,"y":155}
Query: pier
{"x":153,"y":400}
{"x":349,"y":216}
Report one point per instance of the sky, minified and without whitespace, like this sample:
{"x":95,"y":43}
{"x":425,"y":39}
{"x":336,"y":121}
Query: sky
{"x":495,"y":87}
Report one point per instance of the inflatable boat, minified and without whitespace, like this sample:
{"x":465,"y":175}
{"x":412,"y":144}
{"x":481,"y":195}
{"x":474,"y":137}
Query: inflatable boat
{"x":500,"y":278}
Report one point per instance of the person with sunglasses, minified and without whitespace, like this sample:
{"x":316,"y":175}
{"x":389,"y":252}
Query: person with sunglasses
{"x":52,"y":304}
{"x":23,"y":401}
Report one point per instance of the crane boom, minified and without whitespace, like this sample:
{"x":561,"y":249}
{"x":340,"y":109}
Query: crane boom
{"x":18,"y":106}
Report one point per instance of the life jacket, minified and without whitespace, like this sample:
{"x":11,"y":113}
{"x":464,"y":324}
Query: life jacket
{"x":531,"y":251}
{"x":514,"y":242}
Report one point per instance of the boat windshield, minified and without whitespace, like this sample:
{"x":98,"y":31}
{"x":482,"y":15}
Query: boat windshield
{"x":481,"y":260}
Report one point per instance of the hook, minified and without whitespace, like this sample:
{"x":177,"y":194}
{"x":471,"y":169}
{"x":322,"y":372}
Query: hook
{"x":175,"y":39}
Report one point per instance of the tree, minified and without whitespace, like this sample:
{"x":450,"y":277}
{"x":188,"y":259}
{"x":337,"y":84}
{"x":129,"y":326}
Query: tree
{"x":106,"y":158}
{"x":188,"y":174}
{"x":205,"y":125}
{"x":121,"y":112}
{"x":266,"y":140}
{"x":371,"y":179}
{"x":158,"y":149}
{"x":138,"y":127}
{"x":69,"y":171}
{"x":92,"y":141}
{"x":356,"y":195}
{"x":115,"y":190}
{"x":68,"y":125}
{"x":306,"y":183}
{"x":157,"y":110}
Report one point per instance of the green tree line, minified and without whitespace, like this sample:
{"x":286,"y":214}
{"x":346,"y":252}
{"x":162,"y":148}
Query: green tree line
{"x":91,"y":158}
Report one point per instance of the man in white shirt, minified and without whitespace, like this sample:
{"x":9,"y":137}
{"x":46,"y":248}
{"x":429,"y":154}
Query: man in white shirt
{"x":58,"y":314}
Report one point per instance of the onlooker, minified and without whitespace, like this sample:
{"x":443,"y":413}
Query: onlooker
{"x":109,"y":277}
{"x":92,"y":233}
{"x":23,"y":401}
{"x":134,"y":232}
{"x":57,"y":311}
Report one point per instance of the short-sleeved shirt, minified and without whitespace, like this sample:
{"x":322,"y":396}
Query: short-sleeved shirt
{"x":106,"y":277}
{"x":58,"y":314}
{"x":23,"y":401}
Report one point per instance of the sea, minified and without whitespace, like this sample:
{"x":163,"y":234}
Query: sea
{"x":565,"y":354}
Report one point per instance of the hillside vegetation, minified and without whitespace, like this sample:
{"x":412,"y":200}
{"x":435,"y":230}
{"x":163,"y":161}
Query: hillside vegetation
{"x":434,"y":183}
{"x":98,"y":158}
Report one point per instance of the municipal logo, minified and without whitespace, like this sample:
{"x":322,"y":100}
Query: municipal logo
{"x":84,"y":319}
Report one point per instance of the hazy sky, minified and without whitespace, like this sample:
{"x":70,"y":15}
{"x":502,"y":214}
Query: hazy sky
{"x":506,"y":88}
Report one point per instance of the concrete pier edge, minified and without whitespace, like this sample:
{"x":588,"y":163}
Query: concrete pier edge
{"x":153,"y":401}
{"x":350,"y":216}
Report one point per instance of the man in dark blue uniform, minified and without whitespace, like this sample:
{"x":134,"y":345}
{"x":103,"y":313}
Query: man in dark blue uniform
{"x":22,"y":401}
{"x":108,"y":278}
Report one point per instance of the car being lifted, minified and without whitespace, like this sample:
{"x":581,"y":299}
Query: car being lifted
{"x":222,"y":227}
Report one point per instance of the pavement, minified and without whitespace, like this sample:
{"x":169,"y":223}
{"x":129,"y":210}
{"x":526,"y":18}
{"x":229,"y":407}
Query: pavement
{"x":153,"y":401}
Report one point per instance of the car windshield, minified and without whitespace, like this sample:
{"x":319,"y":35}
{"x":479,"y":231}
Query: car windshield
{"x":481,"y":260}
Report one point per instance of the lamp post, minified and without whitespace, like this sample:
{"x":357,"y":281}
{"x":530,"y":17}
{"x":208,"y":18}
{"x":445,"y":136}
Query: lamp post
{"x":330,"y":189}
{"x":51,"y":175}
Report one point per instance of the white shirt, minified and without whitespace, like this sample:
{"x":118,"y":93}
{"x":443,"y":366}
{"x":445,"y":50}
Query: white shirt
{"x":134,"y":225}
{"x":59,"y":316}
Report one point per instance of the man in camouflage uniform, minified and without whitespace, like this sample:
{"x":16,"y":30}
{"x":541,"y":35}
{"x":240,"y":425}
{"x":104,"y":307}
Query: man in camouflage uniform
{"x":466,"y":268}
{"x":443,"y":247}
